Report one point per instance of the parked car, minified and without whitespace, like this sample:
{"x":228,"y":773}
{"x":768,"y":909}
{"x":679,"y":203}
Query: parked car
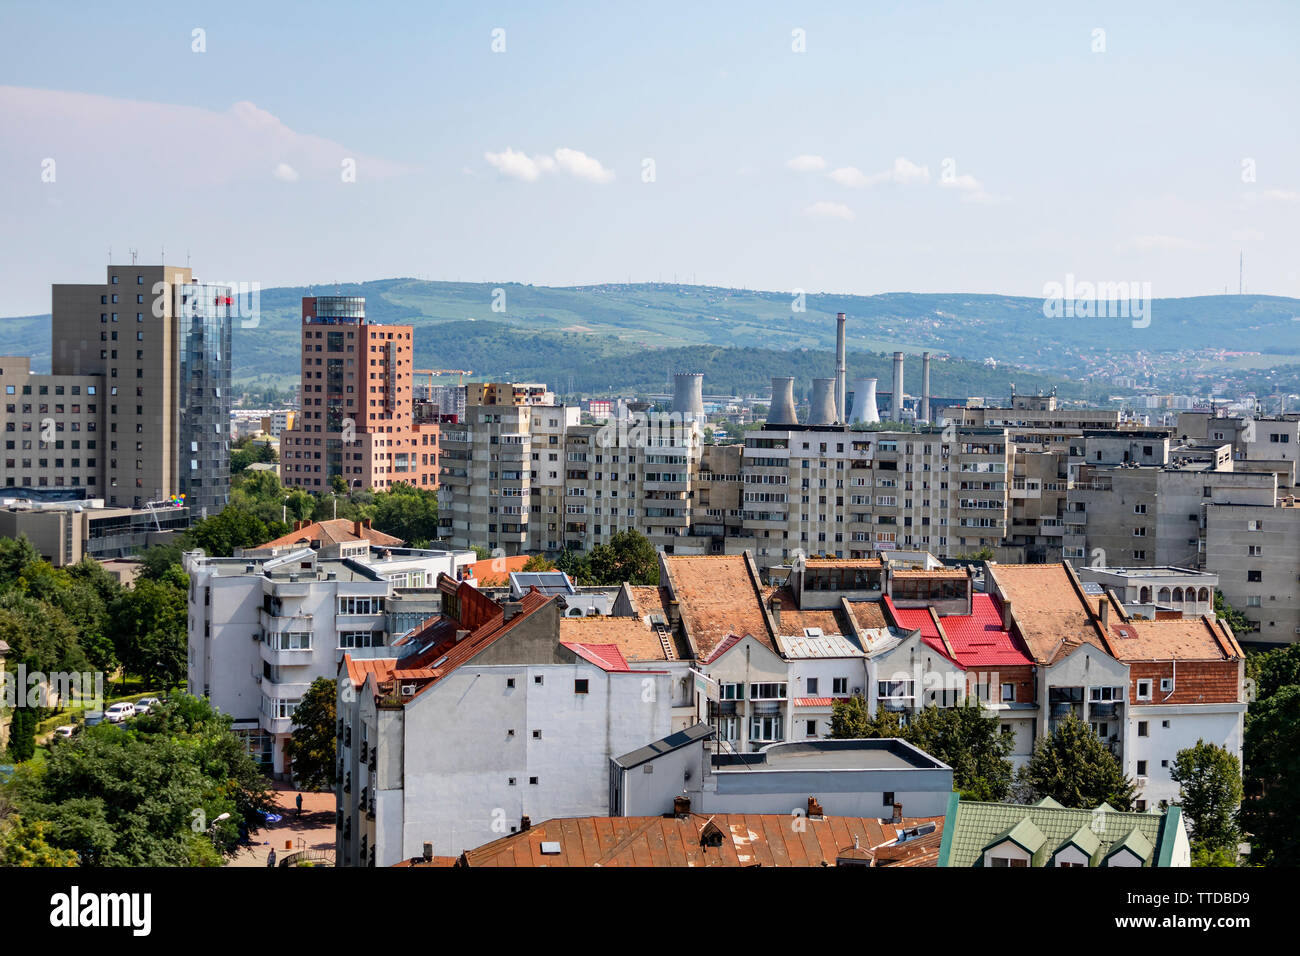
{"x":146,"y":704}
{"x":117,"y":713}
{"x":93,"y":717}
{"x":64,"y":732}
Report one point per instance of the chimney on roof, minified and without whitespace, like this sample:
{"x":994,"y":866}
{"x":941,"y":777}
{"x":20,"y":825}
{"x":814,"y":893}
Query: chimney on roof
{"x":898,"y":813}
{"x":461,"y":634}
{"x":681,"y":806}
{"x":525,"y":824}
{"x":1006,"y":615}
{"x":356,"y":528}
{"x":428,"y":853}
{"x":509,"y":609}
{"x":815,"y":811}
{"x":1104,"y":609}
{"x":774,"y":605}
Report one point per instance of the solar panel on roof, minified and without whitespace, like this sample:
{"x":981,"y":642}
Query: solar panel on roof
{"x":1091,"y":587}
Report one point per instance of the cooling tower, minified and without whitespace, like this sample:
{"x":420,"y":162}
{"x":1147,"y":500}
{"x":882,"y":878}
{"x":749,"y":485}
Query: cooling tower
{"x":841,"y":371}
{"x":688,"y":394}
{"x":864,"y":402}
{"x":925,"y":387}
{"x":896,"y":396}
{"x":822,"y":411}
{"x":782,"y":409}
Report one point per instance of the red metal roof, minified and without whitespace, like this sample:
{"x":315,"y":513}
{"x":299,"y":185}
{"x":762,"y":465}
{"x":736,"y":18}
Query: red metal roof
{"x":605,"y":656}
{"x":977,"y":639}
{"x":816,"y":701}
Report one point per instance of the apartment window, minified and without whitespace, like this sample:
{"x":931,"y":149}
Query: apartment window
{"x":1141,"y":806}
{"x":579,"y":687}
{"x":1142,"y":768}
{"x":1143,"y":728}
{"x":510,"y":682}
{"x":537,"y":735}
{"x":1008,"y":693}
{"x":532,"y":781}
{"x":765,"y":728}
{"x":772,"y":691}
{"x":1166,"y":684}
{"x":840,"y":686}
{"x":731,"y":691}
{"x":1144,"y":690}
{"x":1255,"y":576}
{"x":887,"y":798}
{"x":537,"y":679}
{"x":811,"y":728}
{"x":1003,"y":861}
{"x":812,"y":686}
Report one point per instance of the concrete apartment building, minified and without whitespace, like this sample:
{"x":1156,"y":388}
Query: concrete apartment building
{"x":1255,"y":552}
{"x":1138,"y":498}
{"x":356,"y":419}
{"x":64,"y":532}
{"x":262,"y":628}
{"x":137,"y":404}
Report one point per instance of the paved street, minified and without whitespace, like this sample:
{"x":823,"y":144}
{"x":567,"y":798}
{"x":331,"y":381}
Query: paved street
{"x":315,"y":829}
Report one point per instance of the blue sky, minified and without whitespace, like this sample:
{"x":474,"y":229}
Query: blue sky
{"x":945,"y":146}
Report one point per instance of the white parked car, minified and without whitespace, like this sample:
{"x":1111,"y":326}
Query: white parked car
{"x":145,"y":704}
{"x":117,"y":713}
{"x":64,"y":732}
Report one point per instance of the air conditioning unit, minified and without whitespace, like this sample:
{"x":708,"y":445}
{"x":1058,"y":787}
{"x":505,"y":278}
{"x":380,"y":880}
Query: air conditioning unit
{"x":857,"y":691}
{"x":408,"y":690}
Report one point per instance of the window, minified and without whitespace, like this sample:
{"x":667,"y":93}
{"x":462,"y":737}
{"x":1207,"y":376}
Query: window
{"x":579,"y":687}
{"x":1166,"y":684}
{"x":812,"y":686}
{"x":765,"y":728}
{"x":510,"y":682}
{"x":731,"y":691}
{"x":1143,"y":728}
{"x":1003,"y":861}
{"x":1142,"y":768}
{"x":1141,"y":806}
{"x":532,"y":781}
{"x":361,"y":638}
{"x":1255,"y":576}
{"x":773,"y":691}
{"x":537,"y":735}
{"x":362,"y":604}
{"x":811,"y":728}
{"x":1008,"y":693}
{"x":1144,"y":690}
{"x":888,"y":798}
{"x":537,"y":679}
{"x":840,"y":686}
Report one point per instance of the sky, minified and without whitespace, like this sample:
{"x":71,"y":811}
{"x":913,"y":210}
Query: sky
{"x":860,"y":147}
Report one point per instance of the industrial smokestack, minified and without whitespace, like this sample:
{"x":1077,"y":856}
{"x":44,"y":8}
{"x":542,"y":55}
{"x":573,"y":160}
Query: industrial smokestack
{"x":822,"y":411}
{"x":688,"y":394}
{"x":864,"y":402}
{"x":925,"y":386}
{"x":782,"y":410}
{"x":896,"y":398}
{"x":841,"y":370}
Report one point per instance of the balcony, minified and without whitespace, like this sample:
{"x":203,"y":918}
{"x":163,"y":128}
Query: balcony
{"x":285,"y":658}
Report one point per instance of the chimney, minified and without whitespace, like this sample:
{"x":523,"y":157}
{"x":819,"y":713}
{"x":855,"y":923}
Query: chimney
{"x":525,"y":824}
{"x":681,"y":806}
{"x":428,"y":853}
{"x":461,"y":634}
{"x":898,"y":813}
{"x":356,"y":528}
{"x":841,"y":370}
{"x":1103,"y":606}
{"x":815,"y":811}
{"x":1006,"y":614}
{"x":774,"y":605}
{"x":925,"y":386}
{"x":896,"y":396}
{"x":510,"y":609}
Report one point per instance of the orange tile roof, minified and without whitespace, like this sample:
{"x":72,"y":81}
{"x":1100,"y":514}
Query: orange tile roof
{"x":868,"y":614}
{"x":360,"y":668}
{"x":649,"y":599}
{"x":334,"y":531}
{"x":632,"y":636}
{"x":1049,"y":609}
{"x":718,"y":595}
{"x":1182,"y":639}
{"x":495,"y":572}
{"x":747,"y":840}
{"x":794,"y":620}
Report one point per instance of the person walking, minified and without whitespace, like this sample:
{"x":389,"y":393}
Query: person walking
{"x":270,"y":859}
{"x":299,"y":802}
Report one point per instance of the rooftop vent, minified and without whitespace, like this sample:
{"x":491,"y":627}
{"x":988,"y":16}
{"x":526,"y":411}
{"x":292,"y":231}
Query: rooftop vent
{"x":550,"y":847}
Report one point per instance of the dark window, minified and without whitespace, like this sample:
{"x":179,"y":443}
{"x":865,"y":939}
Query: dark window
{"x":580,"y":686}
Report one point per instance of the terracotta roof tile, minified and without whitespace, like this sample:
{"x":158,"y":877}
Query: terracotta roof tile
{"x":334,"y":531}
{"x":718,"y":596}
{"x":868,"y":614}
{"x":1182,"y":639}
{"x":1048,"y":608}
{"x":635,"y":640}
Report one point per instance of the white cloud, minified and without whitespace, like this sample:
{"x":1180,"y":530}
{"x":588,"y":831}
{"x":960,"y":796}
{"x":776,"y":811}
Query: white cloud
{"x":972,"y":189}
{"x":829,"y":210}
{"x":579,"y":164}
{"x":518,"y":165}
{"x":807,"y":163}
{"x":514,"y":164}
{"x":138,"y":144}
{"x":285,"y":173}
{"x":903,"y":171}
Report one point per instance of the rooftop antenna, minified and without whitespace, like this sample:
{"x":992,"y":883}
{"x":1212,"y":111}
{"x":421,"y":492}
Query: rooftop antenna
{"x":133,"y":256}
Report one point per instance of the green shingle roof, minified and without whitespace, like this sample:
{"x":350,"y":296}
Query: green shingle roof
{"x":972,"y":827}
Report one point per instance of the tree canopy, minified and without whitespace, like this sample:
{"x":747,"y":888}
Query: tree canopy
{"x":313,"y":745}
{"x":1076,"y":769}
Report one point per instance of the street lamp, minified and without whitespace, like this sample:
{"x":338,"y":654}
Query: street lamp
{"x":212,"y":830}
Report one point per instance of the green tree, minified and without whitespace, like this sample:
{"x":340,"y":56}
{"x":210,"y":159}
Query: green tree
{"x":22,"y":732}
{"x":15,"y":554}
{"x":851,"y":719}
{"x":539,"y":562}
{"x":24,"y":844}
{"x":1075,"y":769}
{"x":1272,"y":757}
{"x":39,"y":634}
{"x":970,"y":742}
{"x":1209,"y":791}
{"x":312,"y":746}
{"x":1273,"y":669}
{"x":576,"y":565}
{"x":233,"y":528}
{"x":149,"y":629}
{"x":406,"y":512}
{"x":157,"y":559}
{"x":629,"y":556}
{"x":1236,"y":620}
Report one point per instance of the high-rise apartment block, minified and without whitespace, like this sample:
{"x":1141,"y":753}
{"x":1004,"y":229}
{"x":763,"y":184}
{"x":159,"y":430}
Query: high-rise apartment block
{"x":356,"y":420}
{"x":136,"y":407}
